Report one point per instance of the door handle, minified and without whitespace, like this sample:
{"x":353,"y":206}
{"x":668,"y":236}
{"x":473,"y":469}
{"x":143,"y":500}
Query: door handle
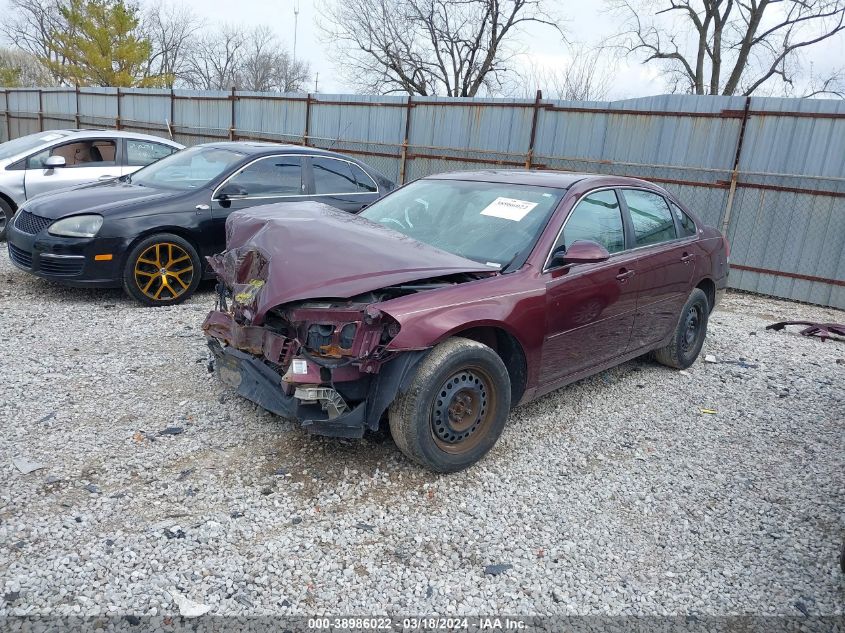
{"x":687,"y":258}
{"x":624,"y":275}
{"x":202,"y":207}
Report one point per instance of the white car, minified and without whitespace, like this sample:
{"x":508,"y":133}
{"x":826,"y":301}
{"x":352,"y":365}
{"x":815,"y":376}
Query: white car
{"x":57,"y":159}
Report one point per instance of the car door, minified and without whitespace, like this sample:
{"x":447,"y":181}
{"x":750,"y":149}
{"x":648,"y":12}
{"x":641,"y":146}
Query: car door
{"x":589,"y":307}
{"x":86,"y":160}
{"x":665,"y":267}
{"x":140,"y":153}
{"x":266,"y":180}
{"x":341,"y":183}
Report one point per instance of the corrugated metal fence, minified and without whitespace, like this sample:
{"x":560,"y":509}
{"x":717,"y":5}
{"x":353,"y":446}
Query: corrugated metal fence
{"x":770,"y":172}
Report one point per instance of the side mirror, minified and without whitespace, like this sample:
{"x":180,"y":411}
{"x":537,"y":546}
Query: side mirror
{"x":579,"y":252}
{"x":231,"y":191}
{"x":55,"y":161}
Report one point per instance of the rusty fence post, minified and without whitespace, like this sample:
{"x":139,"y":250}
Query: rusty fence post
{"x":232,"y":125}
{"x":726,"y":220}
{"x":7,"y":116}
{"x":307,"y":120}
{"x":117,"y":120}
{"x":171,"y":126}
{"x":404,"y":159}
{"x":40,"y":110}
{"x":529,"y":157}
{"x":76,"y":114}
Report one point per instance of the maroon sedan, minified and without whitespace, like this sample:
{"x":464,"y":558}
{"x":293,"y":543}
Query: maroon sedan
{"x":455,"y":298}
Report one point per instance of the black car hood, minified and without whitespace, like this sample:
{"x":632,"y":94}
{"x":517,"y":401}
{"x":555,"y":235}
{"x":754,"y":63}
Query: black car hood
{"x":102,"y":198}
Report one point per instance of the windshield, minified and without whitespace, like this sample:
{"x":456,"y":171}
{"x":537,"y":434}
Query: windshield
{"x":189,"y":169}
{"x":23,"y":144}
{"x":490,"y":223}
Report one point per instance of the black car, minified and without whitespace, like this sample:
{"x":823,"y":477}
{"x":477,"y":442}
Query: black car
{"x":151,"y":231}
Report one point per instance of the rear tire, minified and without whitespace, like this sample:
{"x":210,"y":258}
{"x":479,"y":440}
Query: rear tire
{"x":455,"y":408}
{"x":162,"y":270}
{"x":689,"y":335}
{"x":6,"y":213}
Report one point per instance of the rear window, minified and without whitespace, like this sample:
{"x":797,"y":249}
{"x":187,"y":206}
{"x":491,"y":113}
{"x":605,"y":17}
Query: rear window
{"x":333,"y":176}
{"x":685,"y":222}
{"x":650,"y":216}
{"x":142,"y":153}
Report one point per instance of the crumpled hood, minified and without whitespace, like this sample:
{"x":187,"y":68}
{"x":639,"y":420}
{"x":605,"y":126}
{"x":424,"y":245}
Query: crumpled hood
{"x":96,"y":198}
{"x":294,"y":251}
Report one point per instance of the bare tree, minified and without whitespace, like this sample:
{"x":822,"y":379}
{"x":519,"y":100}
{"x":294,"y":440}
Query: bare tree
{"x":266,"y":66}
{"x":29,"y":26}
{"x":170,"y":28}
{"x":213,"y":60}
{"x":587,"y":77}
{"x":728,"y":46}
{"x":458,"y":48}
{"x":18,"y":68}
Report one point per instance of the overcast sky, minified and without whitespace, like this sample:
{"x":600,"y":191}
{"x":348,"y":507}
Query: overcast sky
{"x":583,"y":20}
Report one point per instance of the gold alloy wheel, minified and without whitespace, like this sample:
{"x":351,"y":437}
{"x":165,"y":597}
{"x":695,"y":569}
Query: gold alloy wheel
{"x":164,"y":271}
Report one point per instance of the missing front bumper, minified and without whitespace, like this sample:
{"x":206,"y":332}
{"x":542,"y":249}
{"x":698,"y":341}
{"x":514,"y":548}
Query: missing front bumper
{"x":259,"y":383}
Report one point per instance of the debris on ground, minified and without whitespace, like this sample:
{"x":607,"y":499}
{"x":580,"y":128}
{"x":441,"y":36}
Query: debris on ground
{"x":174,"y":532}
{"x":26,"y":466}
{"x":184,"y":474}
{"x":172,"y":430}
{"x":823,"y":330}
{"x":187,"y":607}
{"x":709,"y":358}
{"x":495,"y":570}
{"x":709,"y":411}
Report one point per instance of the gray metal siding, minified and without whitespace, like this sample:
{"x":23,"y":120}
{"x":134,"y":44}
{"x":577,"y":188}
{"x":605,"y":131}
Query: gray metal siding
{"x":787,"y":218}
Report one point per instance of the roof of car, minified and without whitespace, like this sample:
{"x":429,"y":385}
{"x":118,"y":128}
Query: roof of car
{"x":536,"y":178}
{"x":260,"y":147}
{"x":103,"y":133}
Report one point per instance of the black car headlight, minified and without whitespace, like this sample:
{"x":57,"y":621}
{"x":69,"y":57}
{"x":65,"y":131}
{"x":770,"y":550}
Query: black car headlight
{"x":77,"y":226}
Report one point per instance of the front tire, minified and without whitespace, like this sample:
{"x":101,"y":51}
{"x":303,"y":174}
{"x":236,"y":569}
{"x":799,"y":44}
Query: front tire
{"x":455,"y":408}
{"x":162,"y":270}
{"x":689,"y":335}
{"x":6,"y":213}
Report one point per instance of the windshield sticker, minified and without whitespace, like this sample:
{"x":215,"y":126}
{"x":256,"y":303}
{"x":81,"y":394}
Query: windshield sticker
{"x":508,"y":209}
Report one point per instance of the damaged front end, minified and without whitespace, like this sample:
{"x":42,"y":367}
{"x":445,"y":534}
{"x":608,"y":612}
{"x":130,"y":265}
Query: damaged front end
{"x":323,"y":364}
{"x":323,"y":361}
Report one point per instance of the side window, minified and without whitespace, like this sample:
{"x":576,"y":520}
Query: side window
{"x":333,"y":176}
{"x":597,"y":218}
{"x":273,"y":176}
{"x":651,"y":217}
{"x":143,"y":153}
{"x":100,"y":152}
{"x":365,"y":183}
{"x":684,"y":221}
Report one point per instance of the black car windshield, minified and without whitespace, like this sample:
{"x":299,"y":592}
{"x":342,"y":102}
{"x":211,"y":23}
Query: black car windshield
{"x":23,"y":144}
{"x":189,"y":169}
{"x":491,"y":223}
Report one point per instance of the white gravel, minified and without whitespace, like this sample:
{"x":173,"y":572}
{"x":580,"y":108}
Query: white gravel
{"x":616,"y":495}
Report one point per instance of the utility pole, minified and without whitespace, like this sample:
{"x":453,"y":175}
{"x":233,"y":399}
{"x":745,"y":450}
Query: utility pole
{"x":295,"y":27}
{"x":316,"y":82}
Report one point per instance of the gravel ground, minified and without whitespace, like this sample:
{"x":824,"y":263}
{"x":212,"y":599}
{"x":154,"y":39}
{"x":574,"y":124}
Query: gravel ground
{"x":616,"y":495}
